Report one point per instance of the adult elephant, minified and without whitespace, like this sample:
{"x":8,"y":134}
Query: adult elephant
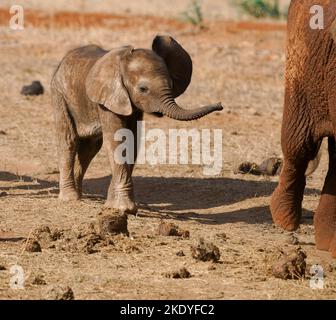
{"x":96,"y":92}
{"x":309,"y":116}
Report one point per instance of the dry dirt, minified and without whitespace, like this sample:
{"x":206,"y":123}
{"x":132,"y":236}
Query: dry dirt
{"x":238,"y":63}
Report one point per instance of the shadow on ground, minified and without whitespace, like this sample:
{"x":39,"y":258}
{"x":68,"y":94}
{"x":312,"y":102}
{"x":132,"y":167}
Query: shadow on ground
{"x":166,"y":197}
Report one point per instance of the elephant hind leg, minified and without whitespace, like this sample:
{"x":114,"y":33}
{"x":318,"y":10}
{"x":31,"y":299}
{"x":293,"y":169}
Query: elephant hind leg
{"x":325,"y":216}
{"x":286,"y":200}
{"x":66,"y":141}
{"x":87,"y":150}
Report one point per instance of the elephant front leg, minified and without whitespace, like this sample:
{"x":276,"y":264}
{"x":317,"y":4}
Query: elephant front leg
{"x":120,"y":193}
{"x":325,"y":215}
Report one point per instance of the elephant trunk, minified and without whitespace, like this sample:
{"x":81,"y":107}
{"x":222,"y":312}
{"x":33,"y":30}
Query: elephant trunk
{"x":172,"y":110}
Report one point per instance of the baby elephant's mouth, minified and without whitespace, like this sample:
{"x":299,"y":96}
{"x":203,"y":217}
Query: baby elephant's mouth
{"x":157,"y":114}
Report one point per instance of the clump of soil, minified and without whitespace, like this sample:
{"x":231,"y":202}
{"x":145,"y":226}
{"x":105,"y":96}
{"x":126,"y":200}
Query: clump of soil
{"x":169,"y":229}
{"x":269,"y":167}
{"x":293,"y":239}
{"x":60,"y":293}
{"x":39,"y":280}
{"x":181,"y":274}
{"x":112,"y":223}
{"x":205,"y":251}
{"x":33,"y":246}
{"x":44,"y":235}
{"x":85,"y":237}
{"x":180,"y":253}
{"x":290,"y":265}
{"x":212,"y":267}
{"x":222,"y":236}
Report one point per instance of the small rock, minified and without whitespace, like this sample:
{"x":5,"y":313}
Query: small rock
{"x":2,"y":267}
{"x":3,"y":133}
{"x":205,"y":251}
{"x":39,"y":281}
{"x":34,"y":89}
{"x":181,"y":274}
{"x":60,"y":293}
{"x":291,"y":265}
{"x":33,"y":246}
{"x":180,"y":253}
{"x":3,"y":194}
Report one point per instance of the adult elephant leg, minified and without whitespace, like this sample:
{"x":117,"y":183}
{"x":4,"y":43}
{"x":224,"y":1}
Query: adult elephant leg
{"x":120,"y":194}
{"x":325,"y":215}
{"x":298,"y":148}
{"x":66,"y":146}
{"x":286,"y":200}
{"x":87,"y":150}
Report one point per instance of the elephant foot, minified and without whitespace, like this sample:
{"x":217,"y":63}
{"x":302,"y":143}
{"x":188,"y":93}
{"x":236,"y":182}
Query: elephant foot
{"x":332,"y":247}
{"x":324,"y":224}
{"x":69,"y":195}
{"x":123,"y":204}
{"x":284,"y":212}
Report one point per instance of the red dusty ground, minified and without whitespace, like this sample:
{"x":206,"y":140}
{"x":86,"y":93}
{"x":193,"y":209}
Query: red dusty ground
{"x":66,"y":19}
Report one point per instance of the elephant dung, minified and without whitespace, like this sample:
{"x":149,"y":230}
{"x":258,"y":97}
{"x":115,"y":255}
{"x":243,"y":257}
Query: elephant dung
{"x":34,"y":89}
{"x":32,"y":246}
{"x":61,"y":293}
{"x":291,"y":265}
{"x":205,"y":251}
{"x":181,"y":274}
{"x":112,"y":223}
{"x":170,"y":229}
{"x":271,"y":166}
{"x":39,"y":280}
{"x":248,"y":168}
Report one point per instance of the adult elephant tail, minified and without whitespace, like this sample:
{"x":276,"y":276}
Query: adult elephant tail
{"x":313,"y":164}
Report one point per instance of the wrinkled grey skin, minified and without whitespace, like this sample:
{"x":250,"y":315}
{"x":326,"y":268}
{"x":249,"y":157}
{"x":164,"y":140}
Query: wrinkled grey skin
{"x":96,"y":92}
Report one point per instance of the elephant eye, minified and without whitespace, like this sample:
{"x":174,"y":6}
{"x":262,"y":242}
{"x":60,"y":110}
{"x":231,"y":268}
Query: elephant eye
{"x":143,"y":89}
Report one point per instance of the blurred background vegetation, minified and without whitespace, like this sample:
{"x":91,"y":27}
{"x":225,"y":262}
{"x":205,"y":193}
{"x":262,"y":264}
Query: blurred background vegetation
{"x":263,"y":8}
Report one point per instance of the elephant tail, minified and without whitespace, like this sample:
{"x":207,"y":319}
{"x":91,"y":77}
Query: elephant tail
{"x":313,"y":164}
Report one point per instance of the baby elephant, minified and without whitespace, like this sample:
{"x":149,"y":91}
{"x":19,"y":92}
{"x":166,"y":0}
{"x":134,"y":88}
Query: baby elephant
{"x":97,"y":92}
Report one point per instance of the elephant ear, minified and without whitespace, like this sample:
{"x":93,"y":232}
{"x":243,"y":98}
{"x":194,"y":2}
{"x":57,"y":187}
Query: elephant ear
{"x":104,"y":84}
{"x":177,"y":60}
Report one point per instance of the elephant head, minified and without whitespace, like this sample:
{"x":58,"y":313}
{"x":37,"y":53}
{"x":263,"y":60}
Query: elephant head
{"x":149,"y":80}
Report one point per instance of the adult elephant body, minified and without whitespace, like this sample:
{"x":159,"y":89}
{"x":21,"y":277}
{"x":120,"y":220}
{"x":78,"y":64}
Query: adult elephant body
{"x":97,"y":92}
{"x":309,"y":116}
